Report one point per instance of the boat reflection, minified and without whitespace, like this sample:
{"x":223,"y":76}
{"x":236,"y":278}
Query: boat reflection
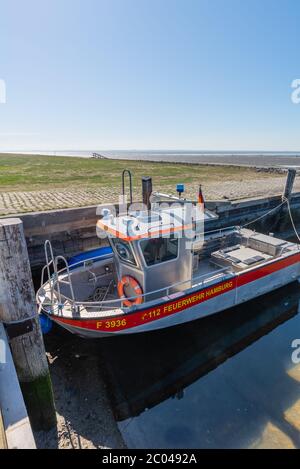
{"x":145,"y":369}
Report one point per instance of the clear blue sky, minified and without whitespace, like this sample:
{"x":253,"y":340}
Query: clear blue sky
{"x":149,"y":74}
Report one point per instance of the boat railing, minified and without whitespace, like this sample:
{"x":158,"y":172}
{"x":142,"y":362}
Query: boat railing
{"x":221,"y":230}
{"x":161,"y":226}
{"x":118,"y":302}
{"x":54,"y":278}
{"x":49,"y":263}
{"x":197,"y":281}
{"x":67,"y":281}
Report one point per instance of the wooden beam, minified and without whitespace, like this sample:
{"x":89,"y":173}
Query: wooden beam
{"x":17,"y":303}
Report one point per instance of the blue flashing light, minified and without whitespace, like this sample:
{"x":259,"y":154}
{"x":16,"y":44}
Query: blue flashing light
{"x":180,"y":188}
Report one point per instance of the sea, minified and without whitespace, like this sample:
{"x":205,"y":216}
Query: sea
{"x":239,"y":158}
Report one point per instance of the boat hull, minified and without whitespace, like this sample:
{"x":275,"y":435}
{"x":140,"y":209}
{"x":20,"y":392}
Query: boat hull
{"x":195,"y":304}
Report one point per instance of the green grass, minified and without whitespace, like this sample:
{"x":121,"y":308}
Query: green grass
{"x":34,"y":172}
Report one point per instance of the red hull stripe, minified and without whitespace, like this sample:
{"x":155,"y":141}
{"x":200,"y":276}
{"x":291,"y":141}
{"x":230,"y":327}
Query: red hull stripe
{"x":181,"y":303}
{"x":267,"y":269}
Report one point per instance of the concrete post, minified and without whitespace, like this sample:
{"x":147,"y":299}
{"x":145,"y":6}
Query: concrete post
{"x":17,"y":303}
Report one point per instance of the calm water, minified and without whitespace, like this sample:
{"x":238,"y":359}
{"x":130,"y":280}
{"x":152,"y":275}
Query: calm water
{"x":226,"y":381}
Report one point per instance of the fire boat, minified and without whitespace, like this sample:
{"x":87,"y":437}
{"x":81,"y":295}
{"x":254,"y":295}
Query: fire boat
{"x":161,"y":269}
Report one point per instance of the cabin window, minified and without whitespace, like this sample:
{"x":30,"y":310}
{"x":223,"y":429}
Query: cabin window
{"x":124,"y":251}
{"x":157,"y":250}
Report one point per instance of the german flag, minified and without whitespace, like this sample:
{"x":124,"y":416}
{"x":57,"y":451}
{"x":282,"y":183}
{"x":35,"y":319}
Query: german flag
{"x":200,"y":197}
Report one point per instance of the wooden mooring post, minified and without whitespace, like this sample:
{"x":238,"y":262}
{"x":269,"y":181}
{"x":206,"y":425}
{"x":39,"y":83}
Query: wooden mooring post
{"x":18,"y":311}
{"x":287,"y":193}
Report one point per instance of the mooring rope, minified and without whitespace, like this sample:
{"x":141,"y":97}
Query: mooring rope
{"x":264,"y":215}
{"x":284,"y":201}
{"x":291,"y":217}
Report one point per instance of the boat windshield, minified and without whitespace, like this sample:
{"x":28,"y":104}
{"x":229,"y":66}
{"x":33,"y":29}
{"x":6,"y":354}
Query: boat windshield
{"x":157,"y":250}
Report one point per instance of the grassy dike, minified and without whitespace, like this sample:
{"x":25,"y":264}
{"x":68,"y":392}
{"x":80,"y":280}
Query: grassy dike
{"x":39,"y":172}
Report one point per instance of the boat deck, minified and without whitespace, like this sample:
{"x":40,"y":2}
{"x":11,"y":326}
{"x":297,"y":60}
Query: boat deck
{"x":207,"y":273}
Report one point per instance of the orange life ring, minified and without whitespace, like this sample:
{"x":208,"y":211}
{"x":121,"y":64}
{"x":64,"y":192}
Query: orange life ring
{"x":126,"y":281}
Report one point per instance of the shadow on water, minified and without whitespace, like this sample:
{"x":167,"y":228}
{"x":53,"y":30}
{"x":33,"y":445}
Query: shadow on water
{"x":177,"y":387}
